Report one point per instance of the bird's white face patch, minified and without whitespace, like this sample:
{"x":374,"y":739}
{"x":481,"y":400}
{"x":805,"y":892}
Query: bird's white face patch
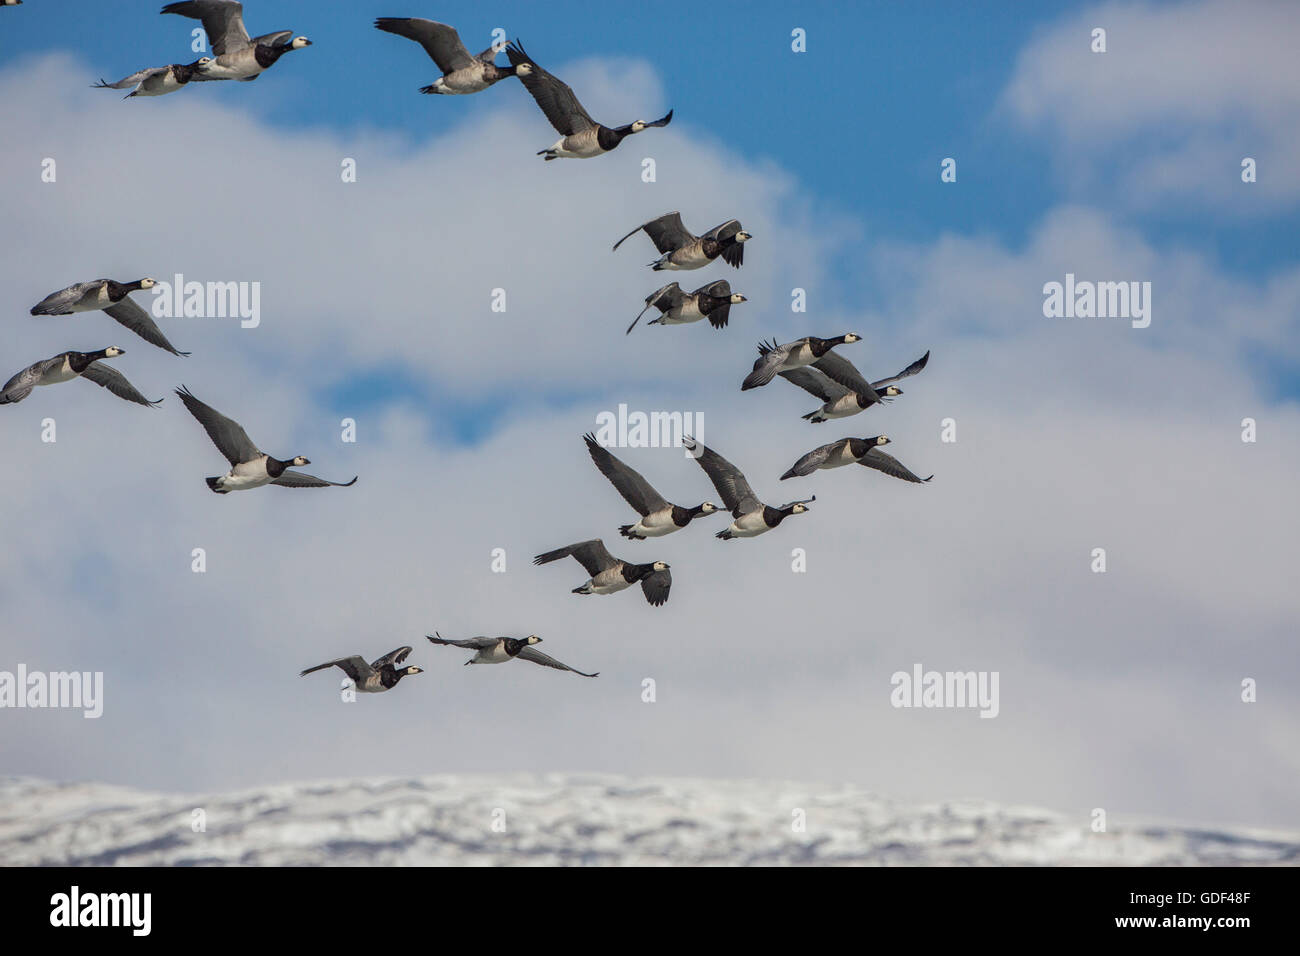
{"x":112,"y":351}
{"x":799,"y":509}
{"x":660,"y":566}
{"x":524,"y":69}
{"x":300,"y":461}
{"x":743,"y":237}
{"x":882,"y":440}
{"x":708,"y":507}
{"x":852,"y":337}
{"x":300,"y":42}
{"x":737,"y":297}
{"x":149,"y":283}
{"x":534,"y":639}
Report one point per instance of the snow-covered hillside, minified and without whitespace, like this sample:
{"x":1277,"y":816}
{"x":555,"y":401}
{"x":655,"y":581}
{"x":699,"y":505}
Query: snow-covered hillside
{"x":573,"y":819}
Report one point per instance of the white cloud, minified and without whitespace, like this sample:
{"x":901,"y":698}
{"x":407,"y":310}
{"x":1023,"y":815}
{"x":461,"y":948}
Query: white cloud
{"x":1183,"y":93}
{"x":1118,"y":690}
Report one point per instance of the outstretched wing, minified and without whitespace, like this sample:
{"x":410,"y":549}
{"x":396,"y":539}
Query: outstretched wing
{"x":440,"y":41}
{"x":231,"y":440}
{"x":664,"y":298}
{"x":223,"y":21}
{"x":276,"y":38}
{"x":719,"y":289}
{"x":724,"y":230}
{"x":769,"y":360}
{"x":798,"y":501}
{"x":889,"y":465}
{"x":636,"y":491}
{"x":474,"y":643}
{"x":841,"y":370}
{"x":65,"y":300}
{"x":590,"y":554}
{"x":655,"y":587}
{"x":730,"y":483}
{"x":21,"y":385}
{"x":812,"y":461}
{"x":135,"y":79}
{"x":666,"y":232}
{"x":815,"y":382}
{"x":115,"y":382}
{"x":905,"y":373}
{"x":354,"y":666}
{"x":138,"y":321}
{"x":552,"y":95}
{"x":530,"y":653}
{"x":662,"y":121}
{"x":298,"y":479}
{"x":392,"y":657}
{"x":734,"y":254}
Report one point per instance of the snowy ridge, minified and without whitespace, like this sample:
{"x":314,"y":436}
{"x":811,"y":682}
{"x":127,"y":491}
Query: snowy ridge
{"x":574,"y":819}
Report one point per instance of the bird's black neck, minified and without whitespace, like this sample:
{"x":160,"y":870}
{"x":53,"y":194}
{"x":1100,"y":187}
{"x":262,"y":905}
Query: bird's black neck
{"x":266,"y":55}
{"x":774,"y":516}
{"x":610,"y":138}
{"x":118,"y":290}
{"x":80,"y":361}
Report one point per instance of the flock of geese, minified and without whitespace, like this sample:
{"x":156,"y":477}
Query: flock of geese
{"x":811,"y":363}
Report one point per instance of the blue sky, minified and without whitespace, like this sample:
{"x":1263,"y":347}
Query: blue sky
{"x":863,"y":119}
{"x":1075,"y":434}
{"x":885,"y":91}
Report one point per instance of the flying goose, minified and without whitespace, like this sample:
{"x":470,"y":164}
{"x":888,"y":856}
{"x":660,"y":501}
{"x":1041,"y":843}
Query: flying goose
{"x":250,"y":468}
{"x":681,"y":249}
{"x":609,"y":574}
{"x":752,"y":517}
{"x":375,"y":677}
{"x":773,"y":358}
{"x":498,"y":650}
{"x":69,"y":365}
{"x":461,"y":73}
{"x":848,"y":451}
{"x":712,"y":301}
{"x":105,"y":295}
{"x":159,"y":80}
{"x":238,"y":56}
{"x":836,"y":381}
{"x":581,"y":137}
{"x":658,"y":517}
